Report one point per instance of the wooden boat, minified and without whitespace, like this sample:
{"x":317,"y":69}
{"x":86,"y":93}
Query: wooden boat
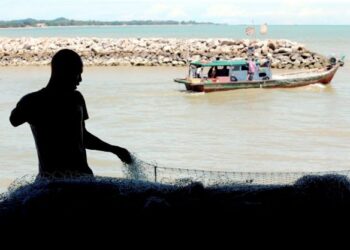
{"x":235,"y":74}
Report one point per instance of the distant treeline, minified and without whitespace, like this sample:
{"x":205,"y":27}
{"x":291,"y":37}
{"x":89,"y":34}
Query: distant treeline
{"x":29,"y":22}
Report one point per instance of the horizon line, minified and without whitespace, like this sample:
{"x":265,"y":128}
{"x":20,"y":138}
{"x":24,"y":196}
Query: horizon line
{"x":179,"y":21}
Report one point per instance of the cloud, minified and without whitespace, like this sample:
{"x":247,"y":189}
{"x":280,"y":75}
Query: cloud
{"x":165,"y":11}
{"x":226,"y":11}
{"x":158,"y":9}
{"x":312,"y":12}
{"x":218,"y":11}
{"x":280,"y":12}
{"x":178,"y":12}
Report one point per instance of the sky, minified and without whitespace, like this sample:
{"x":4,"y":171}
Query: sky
{"x":323,"y":12}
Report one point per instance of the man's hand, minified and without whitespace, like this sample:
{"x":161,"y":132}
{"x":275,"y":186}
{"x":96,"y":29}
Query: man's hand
{"x":123,"y":154}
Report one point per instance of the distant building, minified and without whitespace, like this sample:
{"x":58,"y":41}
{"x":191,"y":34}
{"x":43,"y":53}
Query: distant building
{"x":41,"y":25}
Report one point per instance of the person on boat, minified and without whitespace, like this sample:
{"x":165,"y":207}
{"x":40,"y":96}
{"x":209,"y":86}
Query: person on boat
{"x":199,"y":72}
{"x":251,"y":69}
{"x":212,"y":72}
{"x":56,"y":115}
{"x":257,"y":66}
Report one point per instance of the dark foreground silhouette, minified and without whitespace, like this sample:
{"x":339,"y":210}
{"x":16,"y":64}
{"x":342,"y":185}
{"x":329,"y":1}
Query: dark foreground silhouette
{"x":123,"y":202}
{"x":56,"y":115}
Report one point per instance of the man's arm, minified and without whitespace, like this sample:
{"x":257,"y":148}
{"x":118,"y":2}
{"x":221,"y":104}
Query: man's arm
{"x":94,"y":143}
{"x":16,"y":119}
{"x":19,"y":113}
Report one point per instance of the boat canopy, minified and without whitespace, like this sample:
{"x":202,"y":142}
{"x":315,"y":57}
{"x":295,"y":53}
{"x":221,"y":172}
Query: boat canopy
{"x":219,"y":63}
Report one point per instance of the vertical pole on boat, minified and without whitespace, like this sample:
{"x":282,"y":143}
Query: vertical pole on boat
{"x":254,"y":33}
{"x":188,"y":57}
{"x":155,"y":173}
{"x":188,"y":52}
{"x":250,"y":32}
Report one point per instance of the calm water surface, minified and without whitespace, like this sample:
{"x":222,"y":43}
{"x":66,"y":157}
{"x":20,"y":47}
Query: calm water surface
{"x":142,"y":109}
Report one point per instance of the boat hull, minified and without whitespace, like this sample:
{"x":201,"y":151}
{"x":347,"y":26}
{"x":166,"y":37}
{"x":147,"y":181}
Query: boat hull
{"x":322,"y":76}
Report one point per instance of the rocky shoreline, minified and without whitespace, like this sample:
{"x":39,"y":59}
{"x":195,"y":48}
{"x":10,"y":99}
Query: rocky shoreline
{"x":283,"y":54}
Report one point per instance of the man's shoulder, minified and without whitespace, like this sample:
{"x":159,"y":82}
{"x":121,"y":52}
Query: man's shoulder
{"x":79,"y":97}
{"x":32,"y":97}
{"x":78,"y":94}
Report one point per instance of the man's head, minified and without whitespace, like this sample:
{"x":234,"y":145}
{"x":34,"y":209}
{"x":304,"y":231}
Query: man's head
{"x":66,"y":69}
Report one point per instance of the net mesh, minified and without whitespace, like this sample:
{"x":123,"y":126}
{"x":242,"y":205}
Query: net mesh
{"x":152,"y":172}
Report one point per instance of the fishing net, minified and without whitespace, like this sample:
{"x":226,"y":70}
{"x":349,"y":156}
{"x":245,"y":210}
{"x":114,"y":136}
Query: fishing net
{"x":152,"y":172}
{"x":149,"y":187}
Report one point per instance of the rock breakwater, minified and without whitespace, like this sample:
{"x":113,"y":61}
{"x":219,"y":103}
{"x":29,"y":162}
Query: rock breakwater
{"x":284,"y":54}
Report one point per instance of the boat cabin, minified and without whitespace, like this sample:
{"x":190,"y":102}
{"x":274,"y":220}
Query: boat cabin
{"x":229,"y":71}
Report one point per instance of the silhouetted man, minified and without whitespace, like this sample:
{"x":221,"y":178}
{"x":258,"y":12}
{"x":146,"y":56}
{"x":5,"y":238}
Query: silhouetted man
{"x":56,"y":115}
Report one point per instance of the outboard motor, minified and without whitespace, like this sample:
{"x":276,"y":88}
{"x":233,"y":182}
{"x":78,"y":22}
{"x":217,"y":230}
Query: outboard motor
{"x":333,"y":60}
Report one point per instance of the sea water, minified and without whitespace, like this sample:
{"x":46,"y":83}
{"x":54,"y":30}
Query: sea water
{"x":143,"y":110}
